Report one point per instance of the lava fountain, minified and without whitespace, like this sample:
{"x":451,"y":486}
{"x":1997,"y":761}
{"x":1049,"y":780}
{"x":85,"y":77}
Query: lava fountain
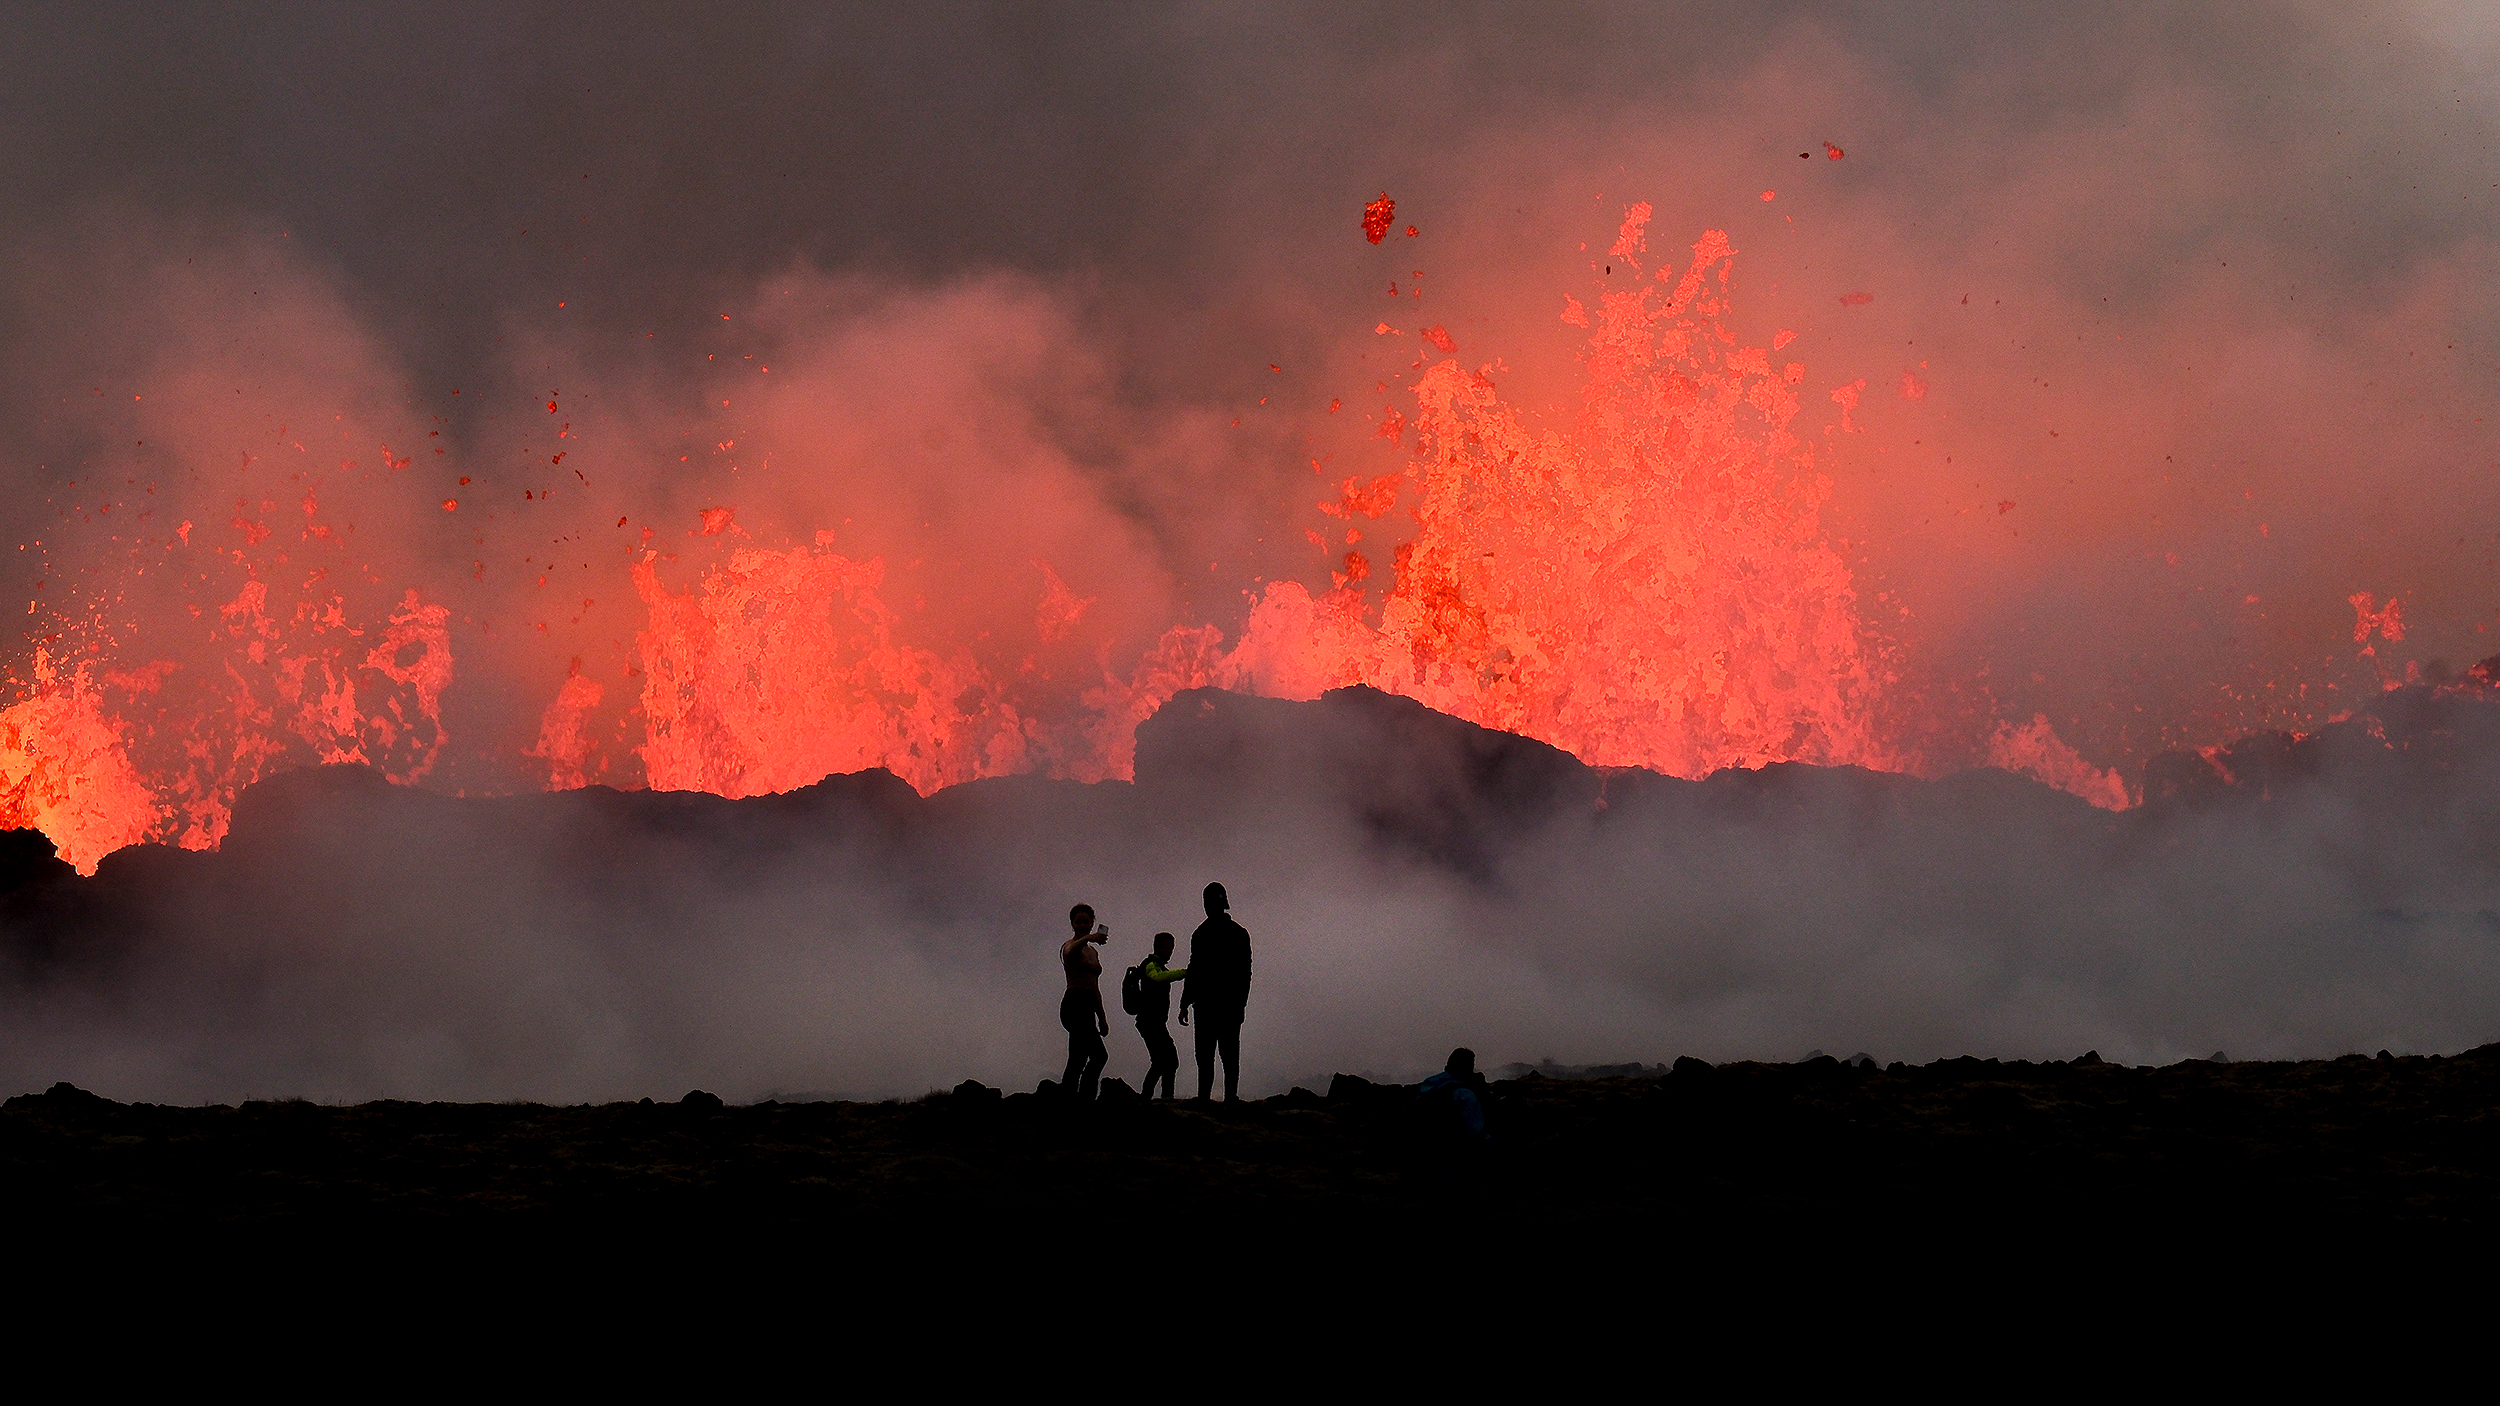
{"x":1646,"y":585}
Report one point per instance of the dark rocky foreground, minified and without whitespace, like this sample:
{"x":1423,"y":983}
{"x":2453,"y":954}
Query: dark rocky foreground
{"x":1806,"y":1162}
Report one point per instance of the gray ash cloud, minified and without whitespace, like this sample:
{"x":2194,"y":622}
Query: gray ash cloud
{"x":1411,"y":883}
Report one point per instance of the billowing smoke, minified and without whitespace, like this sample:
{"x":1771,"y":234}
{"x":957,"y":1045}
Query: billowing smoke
{"x":1410,"y":883}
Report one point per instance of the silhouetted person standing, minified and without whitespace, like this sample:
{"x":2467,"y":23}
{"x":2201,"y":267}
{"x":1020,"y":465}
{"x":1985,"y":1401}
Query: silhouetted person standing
{"x":1152,"y":1006}
{"x":1219,"y":986}
{"x":1080,"y":1010}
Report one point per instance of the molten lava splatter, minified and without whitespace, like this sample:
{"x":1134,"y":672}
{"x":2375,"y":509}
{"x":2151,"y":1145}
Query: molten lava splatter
{"x":1060,"y":609}
{"x":1646,"y":587}
{"x":2387,"y":622}
{"x":564,"y":741}
{"x":101,"y":758}
{"x":2036,"y":752}
{"x":65,"y":771}
{"x":1377,"y":216}
{"x":783,"y":668}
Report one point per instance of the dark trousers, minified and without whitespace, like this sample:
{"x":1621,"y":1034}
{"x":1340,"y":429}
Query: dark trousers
{"x":1163,"y":1060}
{"x":1086,"y":1055}
{"x":1219,"y":1033}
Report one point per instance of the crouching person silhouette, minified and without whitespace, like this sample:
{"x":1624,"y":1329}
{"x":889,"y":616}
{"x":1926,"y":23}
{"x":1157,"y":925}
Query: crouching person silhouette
{"x":1219,"y":988}
{"x":1080,"y":1010}
{"x":1146,"y":993}
{"x":1449,"y":1135}
{"x":1454,"y":1100}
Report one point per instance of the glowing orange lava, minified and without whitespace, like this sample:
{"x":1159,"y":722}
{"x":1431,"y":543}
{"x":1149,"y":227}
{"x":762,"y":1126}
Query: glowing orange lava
{"x":1645,"y":583}
{"x":99,"y":758}
{"x":1377,"y":216}
{"x":1646,"y":587}
{"x":217,"y":656}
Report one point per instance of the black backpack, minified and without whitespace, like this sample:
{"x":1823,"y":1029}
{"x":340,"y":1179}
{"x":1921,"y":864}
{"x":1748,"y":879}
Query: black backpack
{"x":1133,"y":998}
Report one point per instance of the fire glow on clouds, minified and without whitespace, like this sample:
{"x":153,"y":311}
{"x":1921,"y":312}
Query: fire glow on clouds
{"x":2033,"y":419}
{"x":1647,"y":587}
{"x":1645,"y":584}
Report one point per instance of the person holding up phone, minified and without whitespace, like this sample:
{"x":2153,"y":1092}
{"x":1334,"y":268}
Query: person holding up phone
{"x":1080,"y":1010}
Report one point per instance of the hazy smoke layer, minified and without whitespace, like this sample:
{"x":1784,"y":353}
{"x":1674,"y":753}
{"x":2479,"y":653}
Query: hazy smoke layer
{"x":1410,"y":883}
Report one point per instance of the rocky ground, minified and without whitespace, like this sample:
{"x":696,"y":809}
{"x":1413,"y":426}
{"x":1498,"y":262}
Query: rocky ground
{"x":1960,"y":1156}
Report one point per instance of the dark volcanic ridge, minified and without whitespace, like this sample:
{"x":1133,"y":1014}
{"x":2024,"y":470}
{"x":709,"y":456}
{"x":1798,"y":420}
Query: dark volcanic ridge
{"x":1412,"y":882}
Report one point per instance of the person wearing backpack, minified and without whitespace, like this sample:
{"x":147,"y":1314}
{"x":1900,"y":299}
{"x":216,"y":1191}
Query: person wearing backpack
{"x":1146,"y":993}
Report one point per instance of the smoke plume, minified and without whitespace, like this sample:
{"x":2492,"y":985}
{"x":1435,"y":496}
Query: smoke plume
{"x":1410,"y":882}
